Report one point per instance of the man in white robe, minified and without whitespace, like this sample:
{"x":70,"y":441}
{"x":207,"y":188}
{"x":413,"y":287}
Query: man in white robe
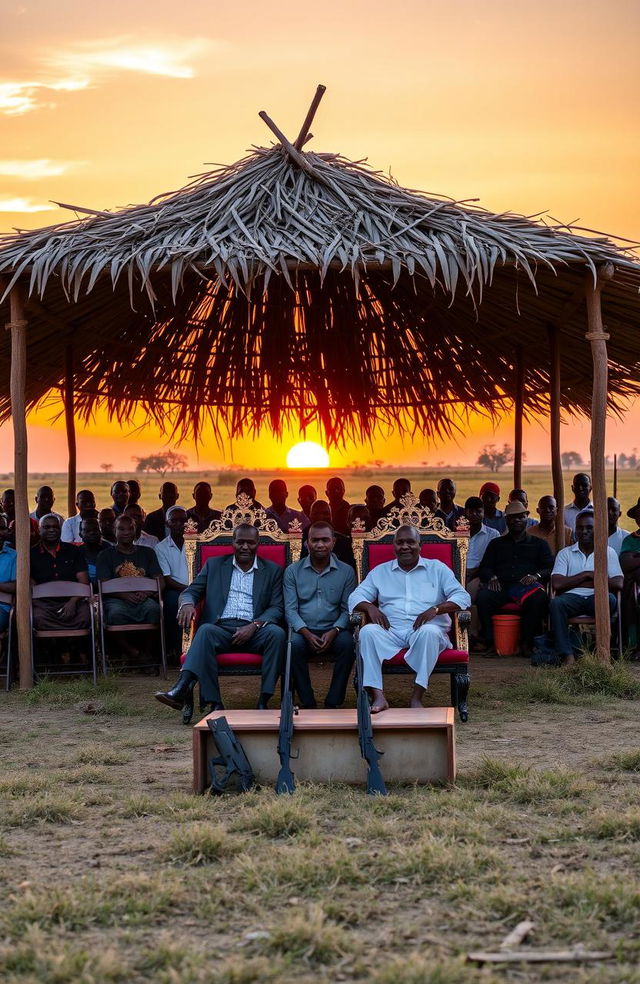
{"x":408,"y":602}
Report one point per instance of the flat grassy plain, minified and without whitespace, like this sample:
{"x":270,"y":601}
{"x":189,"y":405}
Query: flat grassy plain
{"x":111,"y":871}
{"x":537,"y":482}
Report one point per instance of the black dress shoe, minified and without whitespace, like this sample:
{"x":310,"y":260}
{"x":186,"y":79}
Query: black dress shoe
{"x":180,"y":693}
{"x":210,"y":706}
{"x":263,"y":702}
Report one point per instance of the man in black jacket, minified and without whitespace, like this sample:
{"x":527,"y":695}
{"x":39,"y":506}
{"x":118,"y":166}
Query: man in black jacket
{"x":513,"y":570}
{"x":242,"y":603}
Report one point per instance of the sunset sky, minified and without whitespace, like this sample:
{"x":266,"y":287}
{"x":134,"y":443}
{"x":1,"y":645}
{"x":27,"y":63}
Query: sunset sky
{"x":528,"y":107}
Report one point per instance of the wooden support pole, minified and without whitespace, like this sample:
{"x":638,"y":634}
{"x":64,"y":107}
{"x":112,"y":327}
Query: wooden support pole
{"x":519,"y":413}
{"x":18,"y":328}
{"x":556,"y":459}
{"x":71,"y":430}
{"x":597,"y":338}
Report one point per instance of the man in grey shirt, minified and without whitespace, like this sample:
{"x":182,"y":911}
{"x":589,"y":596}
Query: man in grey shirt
{"x":316,"y":593}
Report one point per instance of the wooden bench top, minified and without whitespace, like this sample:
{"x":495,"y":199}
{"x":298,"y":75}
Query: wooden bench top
{"x":341,"y":719}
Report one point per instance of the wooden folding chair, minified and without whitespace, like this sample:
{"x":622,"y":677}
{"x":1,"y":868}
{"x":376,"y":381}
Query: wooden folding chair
{"x":6,"y":637}
{"x":126,"y":585}
{"x":63,"y":590}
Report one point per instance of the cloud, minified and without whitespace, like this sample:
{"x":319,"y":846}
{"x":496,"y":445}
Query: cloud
{"x":35,"y":169}
{"x":171,"y":59}
{"x":89,"y":63}
{"x":24,"y":205}
{"x":17,"y":98}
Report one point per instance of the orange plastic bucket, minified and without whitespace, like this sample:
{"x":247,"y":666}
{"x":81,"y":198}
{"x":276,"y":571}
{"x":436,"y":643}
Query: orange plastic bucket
{"x":506,"y":634}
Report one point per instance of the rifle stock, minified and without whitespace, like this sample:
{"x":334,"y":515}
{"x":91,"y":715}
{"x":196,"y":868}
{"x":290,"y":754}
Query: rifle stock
{"x":231,"y":758}
{"x":285,"y":783}
{"x":368,"y":750}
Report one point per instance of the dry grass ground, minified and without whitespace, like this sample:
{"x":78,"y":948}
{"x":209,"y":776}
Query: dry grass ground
{"x":111,"y":871}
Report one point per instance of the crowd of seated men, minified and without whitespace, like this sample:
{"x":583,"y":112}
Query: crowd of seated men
{"x":512,"y":562}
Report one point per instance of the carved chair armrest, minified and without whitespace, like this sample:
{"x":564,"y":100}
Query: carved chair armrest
{"x":461,"y":623}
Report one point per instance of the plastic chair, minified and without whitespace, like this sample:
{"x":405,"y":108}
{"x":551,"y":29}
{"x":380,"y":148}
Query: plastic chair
{"x":6,"y":636}
{"x":64,"y":589}
{"x":126,"y":585}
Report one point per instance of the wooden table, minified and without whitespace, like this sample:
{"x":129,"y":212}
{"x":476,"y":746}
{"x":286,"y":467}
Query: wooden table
{"x":418,"y":745}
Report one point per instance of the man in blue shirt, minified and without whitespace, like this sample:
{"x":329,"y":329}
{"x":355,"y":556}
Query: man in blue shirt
{"x":7,"y":579}
{"x":316,"y":594}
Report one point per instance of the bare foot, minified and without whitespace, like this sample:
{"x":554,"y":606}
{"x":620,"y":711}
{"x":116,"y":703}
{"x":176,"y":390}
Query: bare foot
{"x":379,"y":701}
{"x":416,"y":696}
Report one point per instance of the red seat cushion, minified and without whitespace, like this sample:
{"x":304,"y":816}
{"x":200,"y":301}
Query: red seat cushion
{"x":234,"y":659}
{"x":239,"y":659}
{"x":446,"y":657}
{"x":380,"y":553}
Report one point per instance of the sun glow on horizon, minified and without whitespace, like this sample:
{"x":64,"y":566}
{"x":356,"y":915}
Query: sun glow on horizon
{"x":307,"y":454}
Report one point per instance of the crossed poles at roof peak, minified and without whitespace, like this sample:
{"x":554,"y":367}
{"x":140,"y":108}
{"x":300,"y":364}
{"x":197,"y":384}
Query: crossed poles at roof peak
{"x":294,"y":149}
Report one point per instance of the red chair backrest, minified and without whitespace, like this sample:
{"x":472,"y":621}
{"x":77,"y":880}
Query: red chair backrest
{"x":276,"y":552}
{"x":380,"y":553}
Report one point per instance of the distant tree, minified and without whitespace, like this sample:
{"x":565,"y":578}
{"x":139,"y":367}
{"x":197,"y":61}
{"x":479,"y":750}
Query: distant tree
{"x":107,"y":468}
{"x":571,"y":459}
{"x":622,"y":461}
{"x":162,"y":462}
{"x":494,"y":458}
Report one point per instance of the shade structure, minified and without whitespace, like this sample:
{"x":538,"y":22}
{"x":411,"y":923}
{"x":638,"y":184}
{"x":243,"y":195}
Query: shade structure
{"x":298,"y":288}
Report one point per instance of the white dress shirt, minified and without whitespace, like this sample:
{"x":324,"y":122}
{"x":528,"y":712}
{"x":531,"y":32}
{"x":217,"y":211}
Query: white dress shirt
{"x":240,"y":599}
{"x":571,"y":560}
{"x":616,"y":539}
{"x":478,"y":544}
{"x":146,"y":540}
{"x":71,"y":529}
{"x":403,"y":595}
{"x":172,"y":560}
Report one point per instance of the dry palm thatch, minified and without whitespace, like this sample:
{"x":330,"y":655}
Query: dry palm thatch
{"x":297,"y":288}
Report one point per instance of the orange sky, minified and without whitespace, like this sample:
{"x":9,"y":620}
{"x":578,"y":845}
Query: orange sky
{"x":527,"y":107}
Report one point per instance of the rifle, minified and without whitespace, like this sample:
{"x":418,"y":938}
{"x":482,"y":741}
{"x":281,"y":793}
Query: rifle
{"x":232,"y":758}
{"x":285,"y":783}
{"x":369,"y":752}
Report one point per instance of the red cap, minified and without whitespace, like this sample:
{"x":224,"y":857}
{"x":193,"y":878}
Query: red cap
{"x":490,"y":487}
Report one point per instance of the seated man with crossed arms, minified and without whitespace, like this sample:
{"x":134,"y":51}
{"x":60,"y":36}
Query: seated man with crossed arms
{"x":409,"y":601}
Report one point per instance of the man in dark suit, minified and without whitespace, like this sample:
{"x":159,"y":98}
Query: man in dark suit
{"x":242,"y":603}
{"x":156,"y":522}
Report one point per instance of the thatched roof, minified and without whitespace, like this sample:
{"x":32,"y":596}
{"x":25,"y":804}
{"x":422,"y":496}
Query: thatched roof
{"x":298,"y":287}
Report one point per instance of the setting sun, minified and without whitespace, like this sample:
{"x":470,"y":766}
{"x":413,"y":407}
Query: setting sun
{"x":307,"y":454}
